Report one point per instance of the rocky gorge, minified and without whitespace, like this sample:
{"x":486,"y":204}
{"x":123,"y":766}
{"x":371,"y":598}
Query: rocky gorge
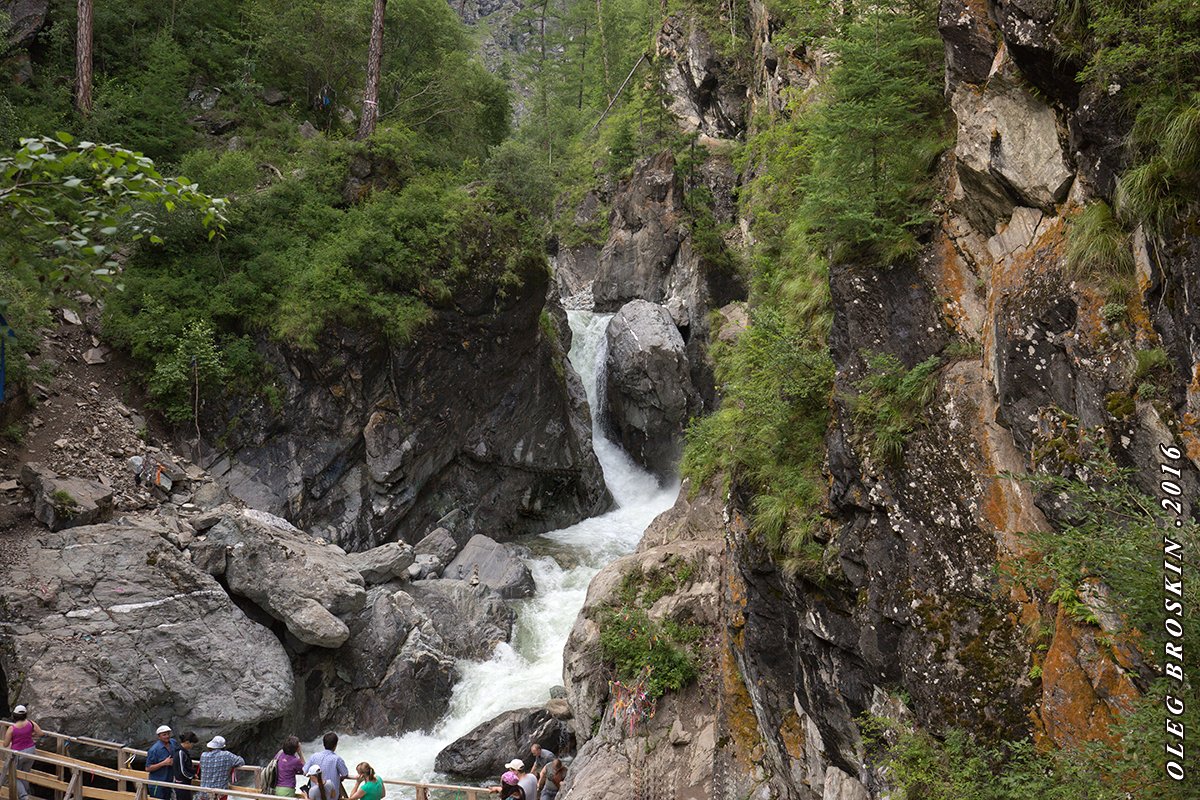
{"x":389,"y":531}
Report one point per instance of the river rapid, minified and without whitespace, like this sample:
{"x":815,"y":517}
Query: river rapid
{"x":563,"y":563}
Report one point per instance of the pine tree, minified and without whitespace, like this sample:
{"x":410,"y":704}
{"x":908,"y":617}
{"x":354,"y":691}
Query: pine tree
{"x":370,"y":106}
{"x":83,"y":58}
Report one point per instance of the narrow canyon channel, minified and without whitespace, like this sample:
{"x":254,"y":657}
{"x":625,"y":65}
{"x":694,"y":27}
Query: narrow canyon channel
{"x":563,"y":563}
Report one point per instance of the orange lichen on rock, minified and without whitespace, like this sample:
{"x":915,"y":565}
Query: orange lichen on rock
{"x":1083,"y":688}
{"x":738,"y":708}
{"x":791,"y":733}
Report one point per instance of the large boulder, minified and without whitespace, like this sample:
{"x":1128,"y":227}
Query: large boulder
{"x":1007,"y":151}
{"x":384,"y":563}
{"x":648,"y":393}
{"x":392,"y":675}
{"x":110,"y":630}
{"x":484,"y":751}
{"x":471,"y":620}
{"x":495,"y":565}
{"x":61,"y":503}
{"x":298,"y":579}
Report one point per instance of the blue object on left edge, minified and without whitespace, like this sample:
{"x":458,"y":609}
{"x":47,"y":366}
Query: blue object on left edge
{"x":5,"y":332}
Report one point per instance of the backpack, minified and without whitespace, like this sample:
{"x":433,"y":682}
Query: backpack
{"x":269,"y":776}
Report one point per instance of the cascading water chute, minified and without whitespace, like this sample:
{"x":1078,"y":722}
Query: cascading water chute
{"x":522,"y":672}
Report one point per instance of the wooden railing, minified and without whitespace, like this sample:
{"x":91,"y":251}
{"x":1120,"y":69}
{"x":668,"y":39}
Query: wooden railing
{"x":69,"y":778}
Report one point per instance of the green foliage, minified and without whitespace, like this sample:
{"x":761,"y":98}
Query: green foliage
{"x":193,"y":363}
{"x":1154,"y":361}
{"x":891,"y":402}
{"x":64,"y":203}
{"x":1148,"y":51}
{"x":147,"y":108}
{"x":769,"y":432}
{"x":1097,"y":244}
{"x":924,"y":768}
{"x":631,"y":641}
{"x":296,"y":260}
{"x":63,"y":501}
{"x":874,"y":134}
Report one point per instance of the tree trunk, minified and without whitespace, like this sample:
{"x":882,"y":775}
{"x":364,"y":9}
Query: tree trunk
{"x":603,"y":49}
{"x":83,"y":58}
{"x":370,"y":106}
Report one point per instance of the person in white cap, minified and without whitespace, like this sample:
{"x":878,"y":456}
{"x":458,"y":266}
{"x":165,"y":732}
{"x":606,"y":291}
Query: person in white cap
{"x":216,"y":767}
{"x":526,"y":780}
{"x":318,"y":788}
{"x":22,"y":736}
{"x":159,"y":759}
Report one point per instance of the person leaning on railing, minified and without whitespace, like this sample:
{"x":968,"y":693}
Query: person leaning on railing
{"x":216,"y":768}
{"x":22,"y":736}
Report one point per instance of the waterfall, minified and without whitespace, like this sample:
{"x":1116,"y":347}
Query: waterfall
{"x":521,"y":673}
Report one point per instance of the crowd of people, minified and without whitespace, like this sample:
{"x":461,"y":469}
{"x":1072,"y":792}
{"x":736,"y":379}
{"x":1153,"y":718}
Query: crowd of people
{"x":171,"y":765}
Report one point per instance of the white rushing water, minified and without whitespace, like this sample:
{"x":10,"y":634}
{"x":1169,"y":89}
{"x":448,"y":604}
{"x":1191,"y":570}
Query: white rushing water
{"x":563,"y":564}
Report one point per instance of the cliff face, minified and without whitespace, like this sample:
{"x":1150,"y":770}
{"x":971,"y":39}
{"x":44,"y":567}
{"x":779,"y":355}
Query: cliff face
{"x":912,"y":617}
{"x":480,"y":419}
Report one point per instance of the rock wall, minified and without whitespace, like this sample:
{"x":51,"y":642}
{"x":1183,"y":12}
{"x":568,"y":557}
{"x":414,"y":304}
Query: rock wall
{"x":481,"y":417}
{"x":910,"y":617}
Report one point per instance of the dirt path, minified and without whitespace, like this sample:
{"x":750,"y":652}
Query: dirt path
{"x":87,"y":422}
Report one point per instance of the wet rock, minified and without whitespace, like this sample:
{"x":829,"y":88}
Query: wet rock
{"x":61,"y":502}
{"x":368,"y":451}
{"x":392,"y":675}
{"x":493,"y":565}
{"x":484,"y":751}
{"x":649,"y":396}
{"x":471,"y":620}
{"x":113,"y":630}
{"x":970,"y":37}
{"x":302,"y":581}
{"x":646,"y":231}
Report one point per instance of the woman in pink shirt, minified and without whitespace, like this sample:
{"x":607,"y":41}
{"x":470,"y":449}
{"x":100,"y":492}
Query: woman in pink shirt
{"x":22,"y":736}
{"x":289,"y":763}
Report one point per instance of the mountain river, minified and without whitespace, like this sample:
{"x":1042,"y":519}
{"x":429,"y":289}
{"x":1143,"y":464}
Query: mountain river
{"x":563,"y":563}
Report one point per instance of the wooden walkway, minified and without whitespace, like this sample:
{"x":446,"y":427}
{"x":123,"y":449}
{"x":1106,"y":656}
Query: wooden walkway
{"x":61,"y":776}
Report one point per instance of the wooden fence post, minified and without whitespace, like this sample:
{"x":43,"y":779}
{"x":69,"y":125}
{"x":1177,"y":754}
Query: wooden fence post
{"x":75,"y":788}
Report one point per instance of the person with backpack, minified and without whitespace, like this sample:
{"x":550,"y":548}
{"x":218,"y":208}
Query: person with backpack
{"x":184,"y":768}
{"x":288,"y":763}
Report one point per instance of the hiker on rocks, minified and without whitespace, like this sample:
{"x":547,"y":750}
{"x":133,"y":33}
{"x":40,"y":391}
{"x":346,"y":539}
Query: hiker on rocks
{"x":289,"y":762}
{"x":368,"y":786}
{"x":333,"y":768}
{"x":22,"y":736}
{"x":160,"y":760}
{"x":508,"y":787}
{"x":318,"y":788}
{"x":541,"y":757}
{"x":551,"y":779}
{"x":216,"y":767}
{"x":526,"y":780}
{"x":184,"y":768}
